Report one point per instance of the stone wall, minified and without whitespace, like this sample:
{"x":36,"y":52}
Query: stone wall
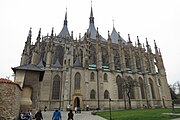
{"x":10,"y":95}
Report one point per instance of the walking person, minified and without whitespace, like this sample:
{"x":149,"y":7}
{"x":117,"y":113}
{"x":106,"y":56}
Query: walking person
{"x":56,"y":115}
{"x":75,"y":109}
{"x":38,"y":115}
{"x":70,"y":115}
{"x":30,"y":115}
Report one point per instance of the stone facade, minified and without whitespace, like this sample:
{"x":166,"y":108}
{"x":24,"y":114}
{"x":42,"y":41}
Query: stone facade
{"x":92,"y":69}
{"x":10,"y":95}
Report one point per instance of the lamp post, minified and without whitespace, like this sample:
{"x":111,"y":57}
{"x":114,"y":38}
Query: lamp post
{"x":110,"y":108}
{"x":173,"y":110}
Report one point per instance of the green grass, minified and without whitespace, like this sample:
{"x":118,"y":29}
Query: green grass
{"x":146,"y":114}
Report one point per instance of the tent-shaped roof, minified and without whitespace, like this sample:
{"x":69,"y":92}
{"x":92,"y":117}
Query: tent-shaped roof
{"x":64,"y":32}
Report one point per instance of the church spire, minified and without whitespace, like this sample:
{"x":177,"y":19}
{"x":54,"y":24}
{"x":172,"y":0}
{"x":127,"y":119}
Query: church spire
{"x":65,"y":20}
{"x":64,"y":32}
{"x":29,"y":36}
{"x":91,"y":18}
{"x":91,"y":31}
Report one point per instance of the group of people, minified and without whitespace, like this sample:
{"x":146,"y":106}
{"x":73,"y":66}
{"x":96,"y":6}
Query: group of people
{"x":25,"y":115}
{"x":39,"y":116}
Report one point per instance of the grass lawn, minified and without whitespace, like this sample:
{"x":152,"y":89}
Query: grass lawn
{"x":146,"y":114}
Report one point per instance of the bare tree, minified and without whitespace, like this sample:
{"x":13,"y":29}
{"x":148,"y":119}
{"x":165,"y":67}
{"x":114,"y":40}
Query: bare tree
{"x":172,"y":89}
{"x":128,"y":86}
{"x":176,"y":87}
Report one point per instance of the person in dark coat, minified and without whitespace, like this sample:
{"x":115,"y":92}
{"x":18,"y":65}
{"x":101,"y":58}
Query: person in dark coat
{"x":38,"y":115}
{"x":70,"y":115}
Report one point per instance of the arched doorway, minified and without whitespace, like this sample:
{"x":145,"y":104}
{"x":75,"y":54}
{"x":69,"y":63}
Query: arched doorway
{"x":77,"y":102}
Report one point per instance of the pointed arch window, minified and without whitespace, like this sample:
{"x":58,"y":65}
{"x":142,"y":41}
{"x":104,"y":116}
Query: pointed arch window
{"x":105,"y":56}
{"x":92,"y":76}
{"x":147,"y":62}
{"x":127,"y":60}
{"x":131,"y":85}
{"x":77,"y":81}
{"x":119,"y":86}
{"x":116,"y":60}
{"x":142,"y":87}
{"x":138,"y":62}
{"x":93,"y":94}
{"x":159,"y":82}
{"x":105,"y":77}
{"x":152,"y":88}
{"x":59,"y":54}
{"x":106,"y":94}
{"x":56,"y":87}
{"x":92,"y":57}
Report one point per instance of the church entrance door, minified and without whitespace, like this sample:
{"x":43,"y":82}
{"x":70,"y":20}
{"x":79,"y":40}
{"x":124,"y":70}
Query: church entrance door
{"x":77,"y":102}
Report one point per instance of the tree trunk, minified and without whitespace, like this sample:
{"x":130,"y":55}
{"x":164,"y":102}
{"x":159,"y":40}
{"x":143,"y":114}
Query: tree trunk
{"x":129,"y":99}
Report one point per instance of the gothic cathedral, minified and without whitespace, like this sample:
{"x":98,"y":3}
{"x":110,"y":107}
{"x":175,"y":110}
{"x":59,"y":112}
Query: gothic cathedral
{"x":59,"y":70}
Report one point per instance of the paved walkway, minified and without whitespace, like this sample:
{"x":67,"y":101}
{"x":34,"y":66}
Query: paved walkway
{"x":174,"y":114}
{"x":84,"y":115}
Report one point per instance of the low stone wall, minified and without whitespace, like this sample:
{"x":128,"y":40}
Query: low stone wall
{"x":10,"y":95}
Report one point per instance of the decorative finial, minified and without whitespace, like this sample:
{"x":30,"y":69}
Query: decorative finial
{"x":52,"y":32}
{"x":155,"y":46}
{"x":79,"y":35}
{"x":109,"y":35}
{"x":138,"y":41}
{"x":72,"y":34}
{"x":113,"y":23}
{"x":39,"y":35}
{"x":129,"y":38}
{"x":30,"y":32}
{"x":65,"y":20}
{"x":147,"y":44}
{"x":97,"y":33}
{"x":66,"y":14}
{"x":29,"y":36}
{"x":91,"y":3}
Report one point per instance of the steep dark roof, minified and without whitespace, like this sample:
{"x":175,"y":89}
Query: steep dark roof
{"x":31,"y":67}
{"x":57,"y":64}
{"x":77,"y":63}
{"x":115,"y":36}
{"x":91,"y":31}
{"x":64,"y":32}
{"x":40,"y":64}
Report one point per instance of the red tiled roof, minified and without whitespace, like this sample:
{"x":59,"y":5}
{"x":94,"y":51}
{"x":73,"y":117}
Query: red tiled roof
{"x":3,"y":80}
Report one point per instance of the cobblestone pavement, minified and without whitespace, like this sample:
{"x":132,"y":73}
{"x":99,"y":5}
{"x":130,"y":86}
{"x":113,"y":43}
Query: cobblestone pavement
{"x":84,"y":115}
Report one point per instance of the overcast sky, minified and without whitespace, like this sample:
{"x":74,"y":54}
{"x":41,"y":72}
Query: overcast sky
{"x":155,"y":19}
